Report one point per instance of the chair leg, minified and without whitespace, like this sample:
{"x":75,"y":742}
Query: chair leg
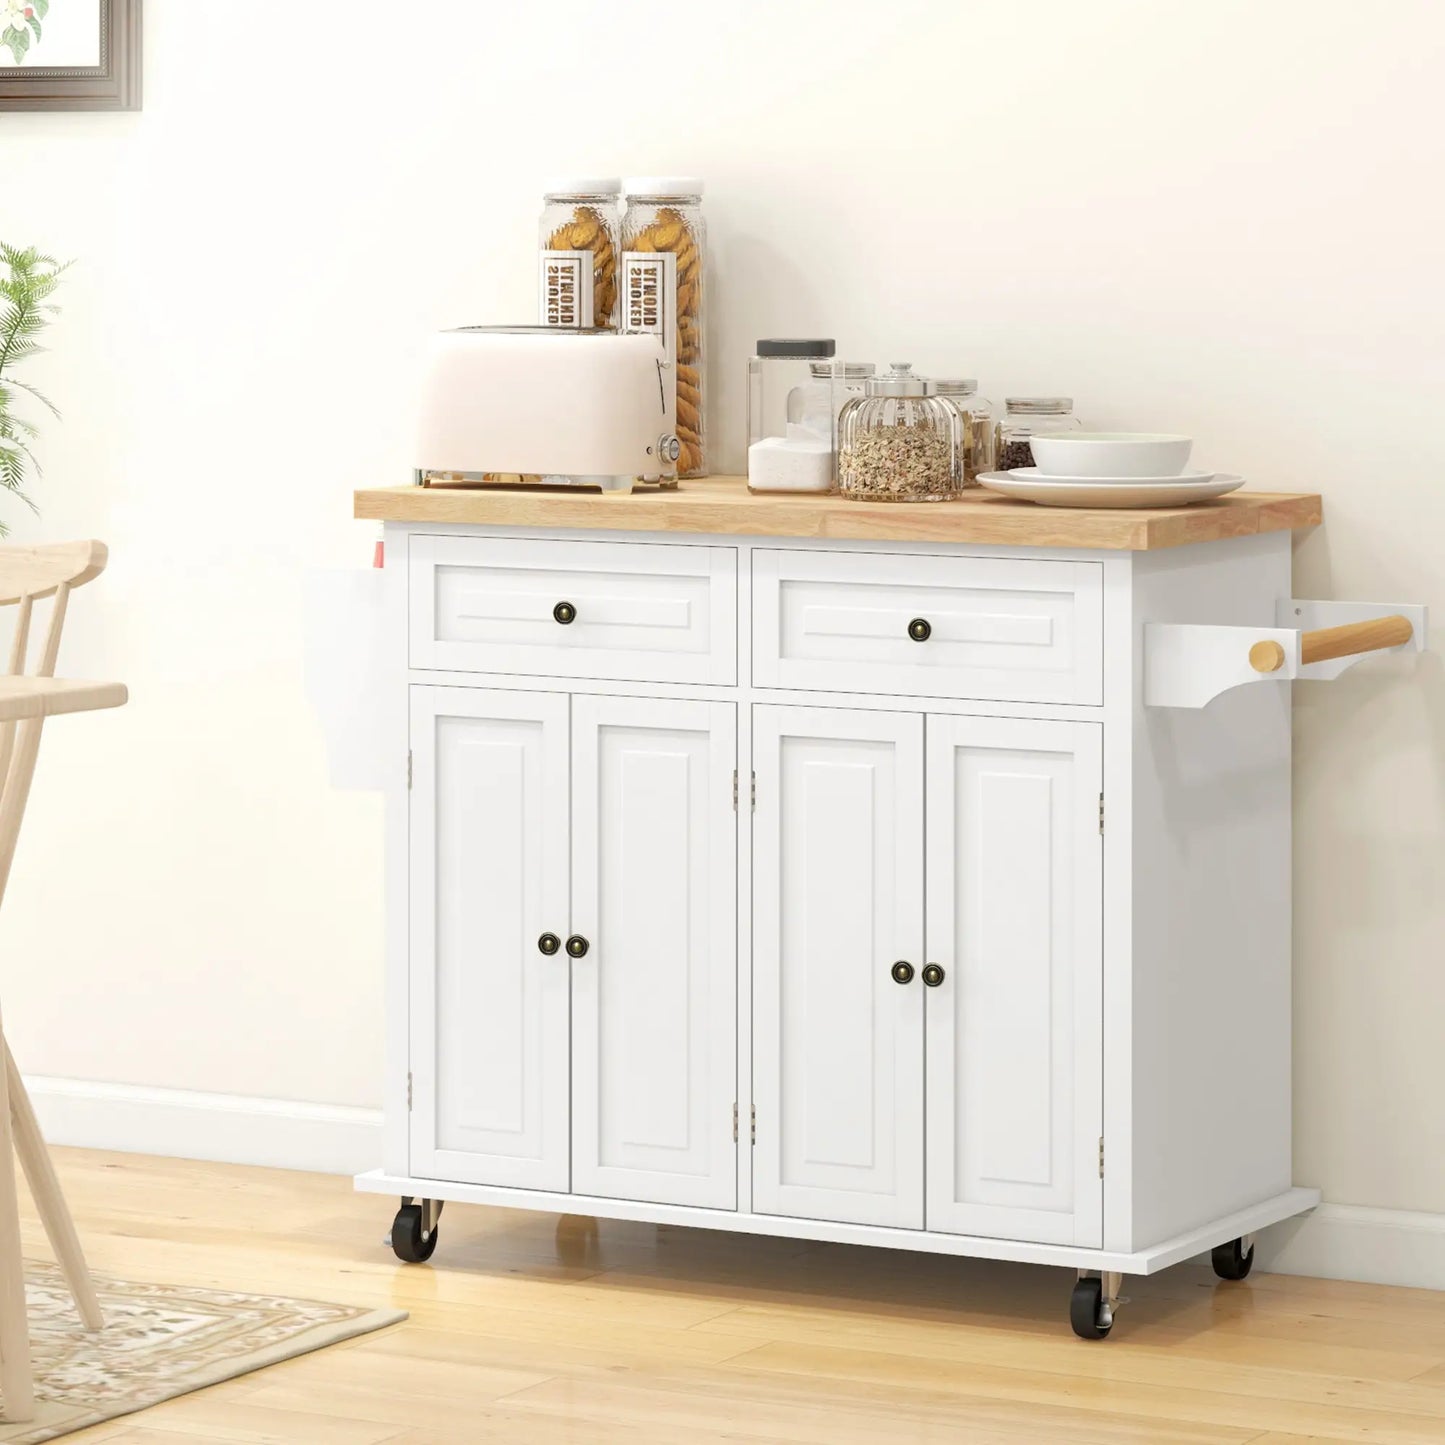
{"x":49,"y":1200}
{"x":17,"y":1385}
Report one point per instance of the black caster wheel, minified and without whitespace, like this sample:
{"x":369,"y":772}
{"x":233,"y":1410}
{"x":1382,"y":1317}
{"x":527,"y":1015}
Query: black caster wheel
{"x":1086,"y":1310}
{"x":1232,"y":1260}
{"x":411,"y":1241}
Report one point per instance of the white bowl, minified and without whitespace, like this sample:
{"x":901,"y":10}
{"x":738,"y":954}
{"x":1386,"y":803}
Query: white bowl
{"x":1110,"y":453}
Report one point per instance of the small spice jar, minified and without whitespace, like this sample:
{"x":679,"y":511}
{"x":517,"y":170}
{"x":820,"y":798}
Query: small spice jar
{"x":1024,"y":416}
{"x":898,"y":442}
{"x":582,"y":213}
{"x":974,"y":426}
{"x":664,"y":213}
{"x":791,"y":420}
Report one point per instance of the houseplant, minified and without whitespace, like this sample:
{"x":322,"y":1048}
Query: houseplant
{"x":27,"y":281}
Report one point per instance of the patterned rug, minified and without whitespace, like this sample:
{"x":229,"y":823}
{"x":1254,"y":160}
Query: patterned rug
{"x":160,"y":1341}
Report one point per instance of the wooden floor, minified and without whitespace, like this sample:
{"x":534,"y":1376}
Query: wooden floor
{"x":526,"y":1330}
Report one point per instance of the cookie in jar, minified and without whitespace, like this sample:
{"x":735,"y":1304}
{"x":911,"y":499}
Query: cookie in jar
{"x":664,"y":213}
{"x":581,"y":216}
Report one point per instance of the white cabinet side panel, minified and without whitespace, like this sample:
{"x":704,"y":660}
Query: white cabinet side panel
{"x":838,"y":898}
{"x":654,"y":1012}
{"x":1014,"y":1031}
{"x":489,"y":876}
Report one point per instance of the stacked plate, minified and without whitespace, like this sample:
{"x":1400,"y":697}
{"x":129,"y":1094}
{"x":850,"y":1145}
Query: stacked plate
{"x":1110,"y":469}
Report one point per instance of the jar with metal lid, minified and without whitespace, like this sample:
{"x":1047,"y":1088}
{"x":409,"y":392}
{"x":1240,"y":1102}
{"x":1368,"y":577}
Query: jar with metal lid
{"x":1025,"y":416}
{"x":898,"y":441}
{"x":975,"y":426}
{"x":791,"y":421}
{"x":664,"y":213}
{"x":581,"y":215}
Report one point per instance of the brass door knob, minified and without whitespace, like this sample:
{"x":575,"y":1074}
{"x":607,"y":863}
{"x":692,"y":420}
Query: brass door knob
{"x":548,"y":944}
{"x":564,"y":612}
{"x":902,"y":972}
{"x":920,"y":629}
{"x":577,"y":946}
{"x":933,"y":975}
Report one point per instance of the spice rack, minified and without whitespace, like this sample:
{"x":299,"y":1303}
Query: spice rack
{"x":1188,"y":665}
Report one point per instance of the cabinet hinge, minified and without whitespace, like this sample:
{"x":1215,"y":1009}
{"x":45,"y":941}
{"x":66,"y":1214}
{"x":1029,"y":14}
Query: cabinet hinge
{"x":408,"y":769}
{"x":1101,"y":1156}
{"x":735,"y":808}
{"x":408,"y":1092}
{"x":735,"y":1123}
{"x":754,"y":792}
{"x":754,"y":1108}
{"x":1101,"y":815}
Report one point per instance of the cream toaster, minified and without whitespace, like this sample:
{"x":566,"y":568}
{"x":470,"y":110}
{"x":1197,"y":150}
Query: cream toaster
{"x":548,"y":404}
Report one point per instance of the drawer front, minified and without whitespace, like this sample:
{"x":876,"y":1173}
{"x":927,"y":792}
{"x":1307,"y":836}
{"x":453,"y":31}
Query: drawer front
{"x":996,"y":629}
{"x":639,"y":612}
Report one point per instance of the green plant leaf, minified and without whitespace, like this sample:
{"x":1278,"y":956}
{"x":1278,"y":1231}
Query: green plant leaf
{"x":18,"y":40}
{"x":41,"y":7}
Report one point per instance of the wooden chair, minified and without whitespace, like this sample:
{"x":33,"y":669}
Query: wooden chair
{"x":27,"y":575}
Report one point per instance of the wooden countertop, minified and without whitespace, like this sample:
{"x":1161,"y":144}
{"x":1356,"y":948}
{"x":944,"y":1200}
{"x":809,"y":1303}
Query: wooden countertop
{"x":723,"y":506}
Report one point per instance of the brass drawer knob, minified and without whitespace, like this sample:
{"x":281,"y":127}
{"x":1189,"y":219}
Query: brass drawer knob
{"x":902,"y":972}
{"x":564,"y":612}
{"x":577,"y":946}
{"x":920,"y":629}
{"x":548,"y":944}
{"x":933,"y":975}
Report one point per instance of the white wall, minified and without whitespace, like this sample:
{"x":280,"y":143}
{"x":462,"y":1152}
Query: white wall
{"x":1223,"y":219}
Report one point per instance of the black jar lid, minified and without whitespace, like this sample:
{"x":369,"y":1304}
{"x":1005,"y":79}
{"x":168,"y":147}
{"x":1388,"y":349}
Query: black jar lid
{"x":802,"y":350}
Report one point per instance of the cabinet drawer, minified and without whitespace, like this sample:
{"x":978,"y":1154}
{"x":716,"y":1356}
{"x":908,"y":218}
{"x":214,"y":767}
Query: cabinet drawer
{"x":638,"y":612}
{"x":998,"y":629}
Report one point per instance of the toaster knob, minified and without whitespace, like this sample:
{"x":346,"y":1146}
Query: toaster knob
{"x":669,"y":449}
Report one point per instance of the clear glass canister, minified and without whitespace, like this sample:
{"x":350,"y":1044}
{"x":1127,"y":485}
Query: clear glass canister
{"x":897,"y":442}
{"x":664,"y":213}
{"x":792,"y":420}
{"x":584,"y":213}
{"x":975,"y":426}
{"x":1025,"y":416}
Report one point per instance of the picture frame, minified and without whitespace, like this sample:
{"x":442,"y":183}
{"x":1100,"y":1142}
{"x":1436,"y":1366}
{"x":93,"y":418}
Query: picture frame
{"x":98,"y":57}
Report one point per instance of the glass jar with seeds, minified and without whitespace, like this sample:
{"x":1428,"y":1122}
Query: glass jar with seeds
{"x":581,"y":216}
{"x":1023,"y":417}
{"x":897,"y":442}
{"x":974,"y":425}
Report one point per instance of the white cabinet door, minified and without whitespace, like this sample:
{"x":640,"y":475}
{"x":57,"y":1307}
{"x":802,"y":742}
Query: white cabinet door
{"x":1014,"y":1030}
{"x":489,"y":863}
{"x":654,"y":1021}
{"x":838,"y":899}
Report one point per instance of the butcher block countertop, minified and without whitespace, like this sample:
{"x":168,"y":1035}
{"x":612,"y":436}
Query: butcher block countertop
{"x":723,"y":506}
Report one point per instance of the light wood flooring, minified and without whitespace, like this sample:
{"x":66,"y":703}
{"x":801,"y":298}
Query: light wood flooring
{"x":526,"y":1330}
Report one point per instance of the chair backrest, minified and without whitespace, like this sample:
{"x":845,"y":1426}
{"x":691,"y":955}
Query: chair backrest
{"x":28,"y":573}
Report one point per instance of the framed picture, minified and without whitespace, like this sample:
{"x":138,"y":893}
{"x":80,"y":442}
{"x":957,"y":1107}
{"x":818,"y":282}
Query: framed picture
{"x":70,"y":54}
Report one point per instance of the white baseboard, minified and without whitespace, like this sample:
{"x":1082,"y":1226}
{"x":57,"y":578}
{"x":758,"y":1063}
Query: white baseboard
{"x":1334,"y":1241}
{"x":1350,"y":1241}
{"x":229,"y":1128}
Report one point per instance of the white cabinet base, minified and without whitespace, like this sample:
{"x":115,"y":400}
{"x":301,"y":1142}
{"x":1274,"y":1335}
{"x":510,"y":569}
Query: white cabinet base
{"x":973,"y":1246}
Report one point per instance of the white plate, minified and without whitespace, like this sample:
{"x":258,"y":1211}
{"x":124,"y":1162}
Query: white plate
{"x":1037,"y":474}
{"x":1091,"y":492}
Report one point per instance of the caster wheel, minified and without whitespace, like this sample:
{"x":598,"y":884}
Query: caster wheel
{"x":1086,"y":1310}
{"x":410,"y":1240}
{"x":1232,"y":1260}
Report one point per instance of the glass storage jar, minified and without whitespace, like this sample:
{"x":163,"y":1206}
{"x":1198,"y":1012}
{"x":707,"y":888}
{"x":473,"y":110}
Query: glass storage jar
{"x":897,"y":442}
{"x":582,"y":214}
{"x":664,"y":213}
{"x":791,"y":418}
{"x":975,"y":426}
{"x":1023,"y":417}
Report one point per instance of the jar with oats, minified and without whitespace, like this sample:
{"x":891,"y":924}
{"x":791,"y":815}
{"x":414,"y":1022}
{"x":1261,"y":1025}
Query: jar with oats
{"x":664,"y":213}
{"x":898,"y":442}
{"x":974,"y":426}
{"x":584,"y":213}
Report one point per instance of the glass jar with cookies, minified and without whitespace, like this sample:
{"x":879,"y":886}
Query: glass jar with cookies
{"x":581,"y":218}
{"x":664,"y":213}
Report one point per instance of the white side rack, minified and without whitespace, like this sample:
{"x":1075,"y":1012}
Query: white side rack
{"x":1190,"y":664}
